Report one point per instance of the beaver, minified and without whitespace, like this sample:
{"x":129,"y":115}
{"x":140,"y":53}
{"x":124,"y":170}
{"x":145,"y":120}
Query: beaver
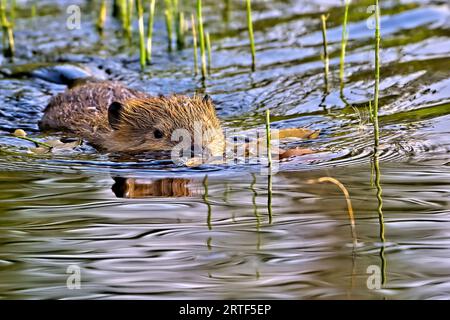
{"x":115,"y":118}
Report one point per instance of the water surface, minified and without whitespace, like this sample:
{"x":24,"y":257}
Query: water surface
{"x":144,"y":228}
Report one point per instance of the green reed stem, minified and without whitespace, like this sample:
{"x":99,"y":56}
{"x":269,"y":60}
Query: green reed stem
{"x":123,"y":14}
{"x":268,"y":138}
{"x":8,"y":33}
{"x":377,"y":74}
{"x":3,"y":18}
{"x":343,"y":46}
{"x":168,"y":16}
{"x":194,"y":40}
{"x":202,"y":37}
{"x":117,"y":9}
{"x":180,"y":30}
{"x":377,"y":141}
{"x":33,"y":10}
{"x":269,"y":195}
{"x":179,"y":24}
{"x":37,"y":143}
{"x":379,"y":195}
{"x":151,"y":19}
{"x":250,"y":33}
{"x":208,"y":205}
{"x":255,"y":206}
{"x":142,"y":51}
{"x":175,"y":6}
{"x":226,"y":13}
{"x":129,"y":20}
{"x":101,"y":17}
{"x":208,"y":47}
{"x":326,"y":59}
{"x":12,"y":11}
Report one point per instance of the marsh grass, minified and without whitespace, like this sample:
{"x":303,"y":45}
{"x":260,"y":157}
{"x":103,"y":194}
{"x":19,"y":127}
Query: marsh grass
{"x":12,"y":11}
{"x":350,"y":211}
{"x":201,"y":36}
{"x":20,"y":134}
{"x":180,"y":26}
{"x":326,"y":59}
{"x":250,"y":33}
{"x":117,"y":9}
{"x":126,"y":7}
{"x":194,"y":41}
{"x":128,"y":20}
{"x":33,"y":10}
{"x":268,"y":139}
{"x":168,"y":19}
{"x":226,"y":13}
{"x":181,"y":29}
{"x":376,"y":161}
{"x":151,"y":18}
{"x":141,"y":28}
{"x":208,"y":47}
{"x":8,"y":32}
{"x":269,"y":195}
{"x":206,"y":201}
{"x":100,"y":24}
{"x":377,"y":75}
{"x":343,"y":47}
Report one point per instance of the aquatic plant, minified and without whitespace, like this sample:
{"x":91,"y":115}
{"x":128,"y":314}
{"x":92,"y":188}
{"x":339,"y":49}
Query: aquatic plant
{"x":12,"y":11}
{"x":343,"y":46}
{"x":194,"y":40}
{"x":168,"y":18}
{"x":208,"y":47}
{"x":33,"y":10}
{"x":151,"y":17}
{"x":180,"y":25}
{"x":268,"y":138}
{"x":180,"y":28}
{"x":117,"y":9}
{"x":326,"y":59}
{"x":377,"y":74}
{"x":206,"y":201}
{"x":250,"y":33}
{"x":269,"y":195}
{"x":21,"y":134}
{"x":142,"y":50}
{"x":7,"y":30}
{"x":344,"y":190}
{"x":201,"y":37}
{"x":100,"y":24}
{"x":376,"y":160}
{"x":128,"y":14}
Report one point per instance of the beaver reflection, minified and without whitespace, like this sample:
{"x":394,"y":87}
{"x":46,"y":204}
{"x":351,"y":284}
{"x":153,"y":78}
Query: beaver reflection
{"x":141,"y":188}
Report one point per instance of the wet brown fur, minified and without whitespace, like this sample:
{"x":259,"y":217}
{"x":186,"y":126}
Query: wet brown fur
{"x":83,"y":111}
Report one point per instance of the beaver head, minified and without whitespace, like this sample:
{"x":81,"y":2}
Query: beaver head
{"x":163,"y":123}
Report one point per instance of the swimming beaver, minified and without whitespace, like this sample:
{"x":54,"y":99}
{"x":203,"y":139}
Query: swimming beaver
{"x":115,"y":118}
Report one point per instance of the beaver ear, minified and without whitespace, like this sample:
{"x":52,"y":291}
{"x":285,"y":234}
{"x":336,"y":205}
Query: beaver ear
{"x":114,"y":111}
{"x":207,"y":99}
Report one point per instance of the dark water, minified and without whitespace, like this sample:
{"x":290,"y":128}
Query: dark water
{"x":143,"y":228}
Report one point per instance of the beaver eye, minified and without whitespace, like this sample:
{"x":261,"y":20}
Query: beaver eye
{"x":158,"y":134}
